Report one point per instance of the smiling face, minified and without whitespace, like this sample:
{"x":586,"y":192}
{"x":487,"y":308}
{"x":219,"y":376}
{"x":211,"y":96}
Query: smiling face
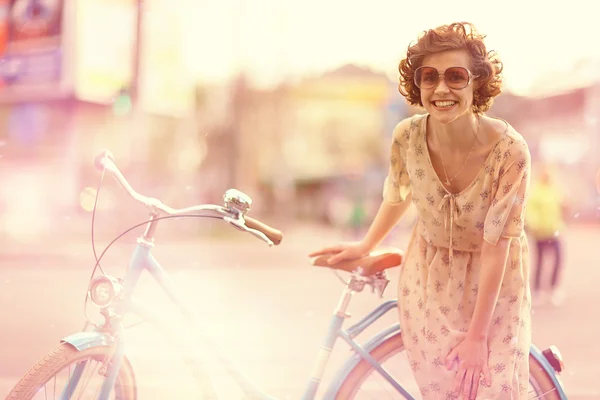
{"x":441,"y":102}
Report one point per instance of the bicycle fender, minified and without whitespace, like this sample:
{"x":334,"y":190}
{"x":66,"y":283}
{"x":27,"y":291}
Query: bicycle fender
{"x":353,"y":361}
{"x":537,"y":354}
{"x":85,"y":340}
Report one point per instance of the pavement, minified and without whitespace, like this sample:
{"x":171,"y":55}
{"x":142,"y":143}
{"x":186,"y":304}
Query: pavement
{"x":268,"y":308}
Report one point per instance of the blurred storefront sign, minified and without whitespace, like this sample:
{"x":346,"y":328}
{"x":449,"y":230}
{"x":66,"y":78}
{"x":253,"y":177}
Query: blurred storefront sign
{"x":32,"y":60}
{"x":59,"y":49}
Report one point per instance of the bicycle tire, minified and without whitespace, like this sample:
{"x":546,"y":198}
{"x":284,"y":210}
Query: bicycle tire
{"x":65,"y":354}
{"x":390,"y":346}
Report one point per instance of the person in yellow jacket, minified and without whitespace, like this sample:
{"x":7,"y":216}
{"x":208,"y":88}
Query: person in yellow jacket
{"x":544,"y":220}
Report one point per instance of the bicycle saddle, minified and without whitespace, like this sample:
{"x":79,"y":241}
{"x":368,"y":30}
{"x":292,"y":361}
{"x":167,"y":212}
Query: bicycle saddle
{"x":376,"y":261}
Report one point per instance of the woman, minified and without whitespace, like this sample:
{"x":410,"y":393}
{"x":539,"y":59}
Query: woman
{"x":464,"y":295}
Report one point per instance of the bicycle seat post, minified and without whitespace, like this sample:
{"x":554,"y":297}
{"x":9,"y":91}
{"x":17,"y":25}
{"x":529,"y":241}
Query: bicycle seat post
{"x":355,"y":284}
{"x":343,"y":302}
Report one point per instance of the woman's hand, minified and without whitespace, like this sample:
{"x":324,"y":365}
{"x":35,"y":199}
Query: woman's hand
{"x":343,"y":251}
{"x":471,"y":355}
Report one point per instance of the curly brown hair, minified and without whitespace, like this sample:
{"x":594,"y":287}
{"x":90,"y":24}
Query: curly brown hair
{"x":486,"y":66}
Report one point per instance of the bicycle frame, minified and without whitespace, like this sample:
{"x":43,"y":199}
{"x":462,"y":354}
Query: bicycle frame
{"x":142,"y":260}
{"x":112,"y":333}
{"x":336,"y":331}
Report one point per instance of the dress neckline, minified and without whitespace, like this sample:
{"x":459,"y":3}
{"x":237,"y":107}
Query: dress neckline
{"x":476,"y":178}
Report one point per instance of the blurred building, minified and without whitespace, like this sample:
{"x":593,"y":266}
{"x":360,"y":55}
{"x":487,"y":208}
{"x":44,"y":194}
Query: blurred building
{"x":303,"y":148}
{"x":563,"y":129}
{"x":80,"y":80}
{"x":332,"y":148}
{"x":312,"y":148}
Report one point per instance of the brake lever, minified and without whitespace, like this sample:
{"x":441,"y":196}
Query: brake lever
{"x":240,"y":225}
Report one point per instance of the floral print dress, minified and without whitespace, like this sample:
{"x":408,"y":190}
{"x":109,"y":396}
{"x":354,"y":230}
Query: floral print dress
{"x":439,"y":279}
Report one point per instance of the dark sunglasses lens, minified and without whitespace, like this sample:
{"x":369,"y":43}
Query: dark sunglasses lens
{"x":456,"y":77}
{"x":426,"y":78}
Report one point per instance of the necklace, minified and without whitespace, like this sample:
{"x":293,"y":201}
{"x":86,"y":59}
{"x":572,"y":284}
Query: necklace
{"x":449,"y":180}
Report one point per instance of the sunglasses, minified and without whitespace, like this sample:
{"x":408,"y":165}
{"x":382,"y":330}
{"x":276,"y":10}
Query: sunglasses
{"x":454,"y":77}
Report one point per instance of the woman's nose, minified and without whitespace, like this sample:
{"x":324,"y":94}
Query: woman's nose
{"x":441,"y":86}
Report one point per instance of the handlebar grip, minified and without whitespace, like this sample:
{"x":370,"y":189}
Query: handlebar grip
{"x":273,"y":234}
{"x":98,"y":160}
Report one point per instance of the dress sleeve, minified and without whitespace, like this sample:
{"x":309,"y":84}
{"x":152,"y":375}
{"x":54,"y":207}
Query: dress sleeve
{"x":505,"y":217}
{"x":396,"y":187}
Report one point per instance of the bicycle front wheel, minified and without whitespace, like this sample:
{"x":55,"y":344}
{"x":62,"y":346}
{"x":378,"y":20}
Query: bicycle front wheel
{"x":364,"y":382}
{"x":52,"y":376}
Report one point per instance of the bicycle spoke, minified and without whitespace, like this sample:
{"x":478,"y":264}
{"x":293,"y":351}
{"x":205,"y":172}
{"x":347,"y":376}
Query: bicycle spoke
{"x":540,"y":396}
{"x":85,"y":387}
{"x":376,"y":386}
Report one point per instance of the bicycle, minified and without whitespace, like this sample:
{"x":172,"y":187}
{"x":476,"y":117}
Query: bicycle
{"x":113,"y":297}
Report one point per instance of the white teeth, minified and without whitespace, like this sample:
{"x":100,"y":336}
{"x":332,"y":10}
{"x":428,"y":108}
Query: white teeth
{"x":444,"y":103}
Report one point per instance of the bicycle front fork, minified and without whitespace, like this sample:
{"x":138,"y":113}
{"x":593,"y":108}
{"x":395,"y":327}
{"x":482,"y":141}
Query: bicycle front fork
{"x":110,"y":370}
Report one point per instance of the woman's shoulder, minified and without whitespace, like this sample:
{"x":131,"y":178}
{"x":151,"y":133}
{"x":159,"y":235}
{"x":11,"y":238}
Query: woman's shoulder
{"x":511,"y":144}
{"x":407,"y":128}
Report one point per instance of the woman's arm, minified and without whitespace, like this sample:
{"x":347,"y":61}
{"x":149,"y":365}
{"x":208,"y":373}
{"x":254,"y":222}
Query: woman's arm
{"x":386,"y":219}
{"x":493,"y":265}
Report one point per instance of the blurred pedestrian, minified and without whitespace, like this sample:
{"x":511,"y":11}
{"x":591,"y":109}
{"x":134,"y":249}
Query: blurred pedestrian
{"x":545,"y":222}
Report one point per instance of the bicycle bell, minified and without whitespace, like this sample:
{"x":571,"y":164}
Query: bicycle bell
{"x":238,"y":201}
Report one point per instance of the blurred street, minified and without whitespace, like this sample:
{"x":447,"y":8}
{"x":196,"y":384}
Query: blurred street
{"x":267,"y":306}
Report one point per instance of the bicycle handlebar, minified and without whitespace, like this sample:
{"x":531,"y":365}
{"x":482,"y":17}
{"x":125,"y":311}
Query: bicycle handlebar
{"x":105,"y":161}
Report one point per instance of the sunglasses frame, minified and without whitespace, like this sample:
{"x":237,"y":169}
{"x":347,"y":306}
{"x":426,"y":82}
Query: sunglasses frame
{"x":441,"y":76}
